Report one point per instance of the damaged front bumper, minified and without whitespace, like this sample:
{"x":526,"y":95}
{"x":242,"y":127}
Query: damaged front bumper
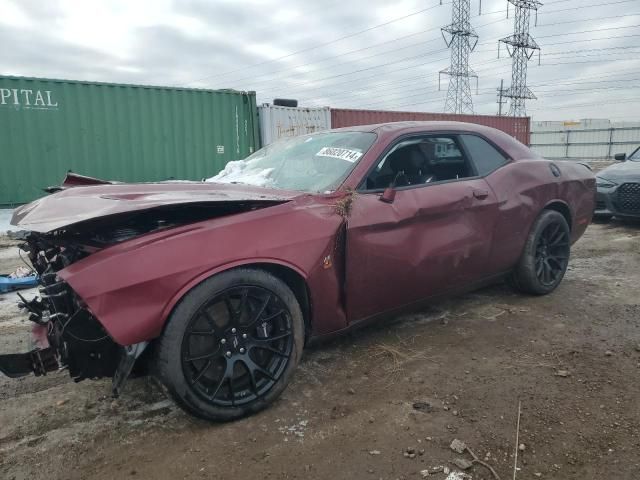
{"x":66,"y":335}
{"x":38,"y":361}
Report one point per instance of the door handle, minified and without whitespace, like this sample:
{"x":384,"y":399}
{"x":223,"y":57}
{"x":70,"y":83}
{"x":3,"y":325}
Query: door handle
{"x":480,"y":194}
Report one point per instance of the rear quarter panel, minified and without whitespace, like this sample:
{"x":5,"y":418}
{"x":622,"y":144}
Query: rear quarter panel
{"x":523,"y":189}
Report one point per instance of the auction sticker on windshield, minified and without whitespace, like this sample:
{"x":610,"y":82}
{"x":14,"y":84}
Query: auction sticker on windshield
{"x":341,"y":153}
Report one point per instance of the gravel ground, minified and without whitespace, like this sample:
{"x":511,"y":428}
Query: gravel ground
{"x":571,"y":358}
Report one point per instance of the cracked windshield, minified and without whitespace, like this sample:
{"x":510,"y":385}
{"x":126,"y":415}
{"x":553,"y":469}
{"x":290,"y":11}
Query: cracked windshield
{"x":311,"y":163}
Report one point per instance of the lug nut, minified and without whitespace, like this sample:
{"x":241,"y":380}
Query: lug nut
{"x":244,"y":335}
{"x":242,"y":350}
{"x":223,"y":341}
{"x":228,"y":354}
{"x":233,"y":330}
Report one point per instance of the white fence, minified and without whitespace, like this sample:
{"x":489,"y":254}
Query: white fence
{"x":584,"y":140}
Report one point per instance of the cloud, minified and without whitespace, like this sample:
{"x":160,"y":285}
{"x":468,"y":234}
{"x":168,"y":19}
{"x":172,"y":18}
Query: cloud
{"x":251,"y":45}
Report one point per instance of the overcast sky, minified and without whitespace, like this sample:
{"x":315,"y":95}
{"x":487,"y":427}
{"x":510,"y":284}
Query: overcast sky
{"x":359,"y":53}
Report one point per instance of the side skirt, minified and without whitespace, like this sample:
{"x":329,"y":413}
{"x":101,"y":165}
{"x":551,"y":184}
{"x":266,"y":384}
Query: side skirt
{"x":411,"y":307}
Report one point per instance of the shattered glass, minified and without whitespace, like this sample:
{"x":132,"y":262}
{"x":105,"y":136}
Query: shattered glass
{"x":311,"y":163}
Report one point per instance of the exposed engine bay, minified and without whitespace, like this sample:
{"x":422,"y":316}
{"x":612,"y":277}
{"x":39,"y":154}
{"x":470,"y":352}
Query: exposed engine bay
{"x":67,"y":334}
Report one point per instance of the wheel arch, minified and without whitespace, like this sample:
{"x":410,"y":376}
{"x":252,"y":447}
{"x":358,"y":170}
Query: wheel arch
{"x":296,"y":282}
{"x":292,"y":276}
{"x":562,"y":208}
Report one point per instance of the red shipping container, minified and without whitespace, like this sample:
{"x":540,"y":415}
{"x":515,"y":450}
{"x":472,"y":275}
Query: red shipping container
{"x":517,"y":127}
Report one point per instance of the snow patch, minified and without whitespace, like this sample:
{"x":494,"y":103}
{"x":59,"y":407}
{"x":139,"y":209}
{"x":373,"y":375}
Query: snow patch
{"x":244,"y":171}
{"x":5,"y":218}
{"x":458,"y":476}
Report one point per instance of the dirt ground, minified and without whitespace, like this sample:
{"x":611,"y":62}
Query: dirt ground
{"x":571,"y":358}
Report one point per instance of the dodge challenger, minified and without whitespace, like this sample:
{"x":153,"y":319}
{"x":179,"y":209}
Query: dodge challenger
{"x":216,"y":286}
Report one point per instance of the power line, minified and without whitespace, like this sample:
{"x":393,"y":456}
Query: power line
{"x":401,"y":84}
{"x":432,"y":102}
{"x":554,"y":93}
{"x":255,"y":85}
{"x":385,"y":99}
{"x":582,"y":7}
{"x":591,"y":104}
{"x":257,"y":81}
{"x":312,"y":103}
{"x":306,"y":85}
{"x":294,"y":67}
{"x":315,"y":47}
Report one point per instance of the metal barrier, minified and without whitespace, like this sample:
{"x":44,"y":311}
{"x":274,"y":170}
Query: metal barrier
{"x":585,"y":144}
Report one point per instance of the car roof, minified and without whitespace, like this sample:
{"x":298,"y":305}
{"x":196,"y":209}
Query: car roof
{"x":422,"y":125}
{"x":506,"y":142}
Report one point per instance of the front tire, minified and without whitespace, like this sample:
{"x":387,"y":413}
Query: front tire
{"x":231,"y":345}
{"x":545,"y":257}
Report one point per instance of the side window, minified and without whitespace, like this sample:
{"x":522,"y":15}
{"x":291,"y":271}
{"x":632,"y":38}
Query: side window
{"x":484,"y":155}
{"x":420,"y":161}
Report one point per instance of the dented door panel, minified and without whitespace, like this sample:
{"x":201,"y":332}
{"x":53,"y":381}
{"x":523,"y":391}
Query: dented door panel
{"x":429,"y":240}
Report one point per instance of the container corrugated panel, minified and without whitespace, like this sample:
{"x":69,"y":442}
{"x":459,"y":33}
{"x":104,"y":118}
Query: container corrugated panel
{"x":280,"y":122}
{"x":518,"y":127}
{"x":118,"y":132}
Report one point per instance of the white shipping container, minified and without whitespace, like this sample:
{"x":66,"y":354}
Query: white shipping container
{"x":279,"y":122}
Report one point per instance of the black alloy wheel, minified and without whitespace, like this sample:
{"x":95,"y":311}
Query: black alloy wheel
{"x":545,"y":256}
{"x":237,"y":345}
{"x":231,"y":345}
{"x":552,"y":253}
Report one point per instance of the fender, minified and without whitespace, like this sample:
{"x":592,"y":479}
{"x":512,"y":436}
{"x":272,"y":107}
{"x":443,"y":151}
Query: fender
{"x":223,"y":268}
{"x":131,"y":288}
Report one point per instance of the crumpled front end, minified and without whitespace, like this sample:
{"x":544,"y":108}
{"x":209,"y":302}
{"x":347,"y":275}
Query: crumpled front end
{"x":66,"y":333}
{"x":104,"y":279}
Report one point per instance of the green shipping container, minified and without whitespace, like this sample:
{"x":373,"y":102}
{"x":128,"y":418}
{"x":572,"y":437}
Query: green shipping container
{"x":117,"y":132}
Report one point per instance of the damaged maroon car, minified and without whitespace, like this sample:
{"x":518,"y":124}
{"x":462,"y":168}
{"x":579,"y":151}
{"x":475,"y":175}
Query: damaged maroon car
{"x":217,"y":286}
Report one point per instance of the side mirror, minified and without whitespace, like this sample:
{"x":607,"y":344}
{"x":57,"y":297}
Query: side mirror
{"x":620,"y":157}
{"x":389,"y":195}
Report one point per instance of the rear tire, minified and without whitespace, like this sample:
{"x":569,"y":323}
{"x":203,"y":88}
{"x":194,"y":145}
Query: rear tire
{"x":231,"y":345}
{"x":545,"y":257}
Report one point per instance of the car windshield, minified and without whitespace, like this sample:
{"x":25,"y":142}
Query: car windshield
{"x":635,"y":156}
{"x":312,"y":163}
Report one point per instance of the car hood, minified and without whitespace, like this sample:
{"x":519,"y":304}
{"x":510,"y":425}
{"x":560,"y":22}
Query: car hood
{"x":624,"y":171}
{"x":80,"y":204}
